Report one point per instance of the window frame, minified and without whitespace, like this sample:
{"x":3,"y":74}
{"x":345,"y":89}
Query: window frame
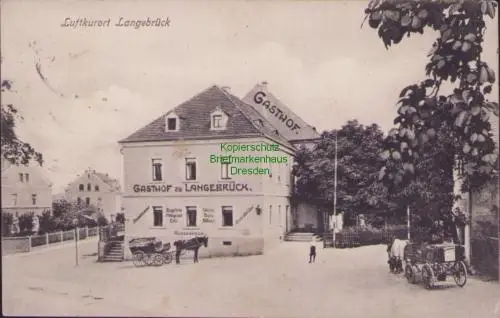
{"x":27,"y":177}
{"x":81,"y":187}
{"x":219,"y":121}
{"x":21,"y":177}
{"x":173,"y":120}
{"x":154,"y":163}
{"x":89,"y":187}
{"x":227,"y":168}
{"x":190,"y":208}
{"x":87,"y":201}
{"x":156,"y":209}
{"x":33,"y":199}
{"x":188,"y":162}
{"x":225,"y":209}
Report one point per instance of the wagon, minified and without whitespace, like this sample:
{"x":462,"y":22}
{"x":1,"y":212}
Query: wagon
{"x":435,"y":263}
{"x":150,"y":251}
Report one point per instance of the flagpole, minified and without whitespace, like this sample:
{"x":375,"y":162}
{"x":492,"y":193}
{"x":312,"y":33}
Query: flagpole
{"x":335,"y":191}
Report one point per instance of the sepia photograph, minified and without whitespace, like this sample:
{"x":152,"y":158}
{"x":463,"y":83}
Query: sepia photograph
{"x":250,"y":158}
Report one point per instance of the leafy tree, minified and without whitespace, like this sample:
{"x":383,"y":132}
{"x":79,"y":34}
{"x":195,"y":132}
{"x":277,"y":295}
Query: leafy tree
{"x":47,"y":223}
{"x":358,"y":152}
{"x":26,"y":223}
{"x":7,"y":220}
{"x":455,"y":57}
{"x":14,"y":150}
{"x":120,"y":217}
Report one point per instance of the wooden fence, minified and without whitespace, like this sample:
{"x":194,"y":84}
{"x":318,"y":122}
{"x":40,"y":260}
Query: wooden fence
{"x":354,"y":237}
{"x":24,"y":244}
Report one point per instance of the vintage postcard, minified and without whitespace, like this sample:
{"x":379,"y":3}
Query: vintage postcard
{"x":250,"y":158}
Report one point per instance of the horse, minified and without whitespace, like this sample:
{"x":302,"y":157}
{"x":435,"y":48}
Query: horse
{"x":193,"y":244}
{"x":395,"y":251}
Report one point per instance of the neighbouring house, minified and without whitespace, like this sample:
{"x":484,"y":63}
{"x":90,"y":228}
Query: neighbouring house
{"x":25,"y":189}
{"x":305,"y":217}
{"x":482,"y":237}
{"x":179,"y":180}
{"x":96,"y":189}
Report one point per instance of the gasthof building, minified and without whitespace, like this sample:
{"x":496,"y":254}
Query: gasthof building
{"x":212,"y":166}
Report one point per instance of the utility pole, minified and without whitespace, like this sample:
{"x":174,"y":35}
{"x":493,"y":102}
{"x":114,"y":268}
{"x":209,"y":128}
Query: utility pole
{"x":408,"y":220}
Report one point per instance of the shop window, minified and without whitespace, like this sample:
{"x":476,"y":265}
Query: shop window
{"x":157,"y":216}
{"x":157,"y":166}
{"x":190,"y":169}
{"x":227,"y":216}
{"x":191,"y":216}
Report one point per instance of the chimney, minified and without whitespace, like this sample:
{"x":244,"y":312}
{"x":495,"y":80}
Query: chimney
{"x":227,"y":89}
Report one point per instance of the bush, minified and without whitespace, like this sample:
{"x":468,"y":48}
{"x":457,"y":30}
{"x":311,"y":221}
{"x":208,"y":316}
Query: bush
{"x":120,"y":218}
{"x":26,"y":223}
{"x":47,"y":223}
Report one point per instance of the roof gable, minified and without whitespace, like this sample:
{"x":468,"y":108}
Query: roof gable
{"x":289,"y":124}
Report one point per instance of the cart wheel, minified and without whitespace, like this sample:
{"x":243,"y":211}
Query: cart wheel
{"x":428,"y":276}
{"x":460,"y":273}
{"x":157,"y":259}
{"x":148,"y":259}
{"x":138,"y":259}
{"x":409,"y":274}
{"x":167,"y":258}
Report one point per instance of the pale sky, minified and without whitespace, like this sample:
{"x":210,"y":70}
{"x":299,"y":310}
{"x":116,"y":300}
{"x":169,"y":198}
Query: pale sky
{"x":314,"y":55}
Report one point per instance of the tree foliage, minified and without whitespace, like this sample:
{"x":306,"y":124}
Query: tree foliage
{"x":358,"y":189}
{"x":14,"y":149}
{"x":454,"y":57}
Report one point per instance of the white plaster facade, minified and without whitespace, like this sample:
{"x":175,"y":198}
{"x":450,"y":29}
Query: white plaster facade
{"x":25,"y":189}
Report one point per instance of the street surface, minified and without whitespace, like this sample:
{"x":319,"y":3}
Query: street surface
{"x":342,"y":283}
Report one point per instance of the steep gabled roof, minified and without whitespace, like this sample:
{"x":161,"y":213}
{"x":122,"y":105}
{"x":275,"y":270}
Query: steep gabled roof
{"x":278,"y":115}
{"x":113,"y":183}
{"x":194,"y":116}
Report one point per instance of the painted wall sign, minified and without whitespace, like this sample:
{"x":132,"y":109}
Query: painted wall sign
{"x":189,"y":233}
{"x":188,"y":187}
{"x":208,"y":216}
{"x":260,"y":98}
{"x":174,"y":215}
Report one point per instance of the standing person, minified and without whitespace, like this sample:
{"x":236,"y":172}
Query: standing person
{"x":312,"y":250}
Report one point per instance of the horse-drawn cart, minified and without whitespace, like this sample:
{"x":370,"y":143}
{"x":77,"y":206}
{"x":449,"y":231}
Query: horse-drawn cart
{"x":150,"y":251}
{"x":435,"y":263}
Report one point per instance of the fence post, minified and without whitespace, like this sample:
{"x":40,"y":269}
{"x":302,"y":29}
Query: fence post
{"x":62,"y":236}
{"x":86,"y":231}
{"x":77,"y":234}
{"x":29,"y":243}
{"x":47,"y":238}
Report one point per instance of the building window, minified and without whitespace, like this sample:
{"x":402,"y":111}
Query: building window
{"x":89,"y":187}
{"x":14,"y":199}
{"x":270,"y":214}
{"x":227,"y":216}
{"x":157,"y":170}
{"x":96,"y":188}
{"x":279,"y":214}
{"x":21,"y":177}
{"x":157,"y":216}
{"x":171,"y":123}
{"x":79,"y":201}
{"x":224,"y":171}
{"x":33,"y":199}
{"x":217,"y":121}
{"x":81,"y":188}
{"x":191,"y":215}
{"x":87,"y":201}
{"x":27,"y":177}
{"x":190,"y":169}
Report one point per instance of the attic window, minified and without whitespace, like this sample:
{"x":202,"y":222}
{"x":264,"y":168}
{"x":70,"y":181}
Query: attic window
{"x":172,"y":122}
{"x":218,"y":120}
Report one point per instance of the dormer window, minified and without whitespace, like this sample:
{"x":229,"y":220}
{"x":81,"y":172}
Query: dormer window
{"x":218,"y":120}
{"x":172,"y":122}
